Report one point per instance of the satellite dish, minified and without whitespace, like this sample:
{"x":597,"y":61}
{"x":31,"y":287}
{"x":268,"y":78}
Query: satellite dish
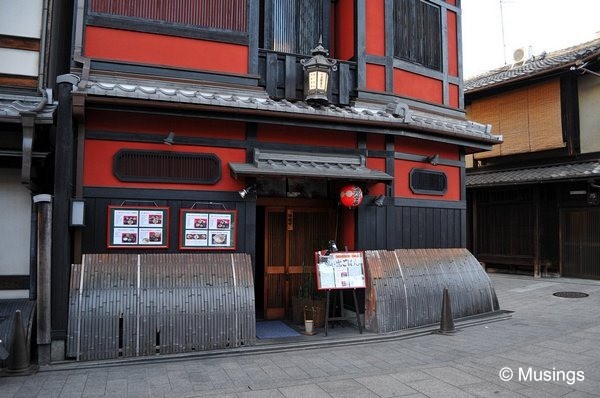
{"x":519,"y":56}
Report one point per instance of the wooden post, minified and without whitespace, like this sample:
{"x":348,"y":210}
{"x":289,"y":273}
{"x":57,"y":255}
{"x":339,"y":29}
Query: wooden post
{"x":536,"y":234}
{"x":63,"y":191}
{"x":44,"y":270}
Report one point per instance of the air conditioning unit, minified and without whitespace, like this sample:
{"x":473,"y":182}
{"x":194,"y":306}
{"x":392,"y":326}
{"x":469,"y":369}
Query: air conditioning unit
{"x":519,"y":56}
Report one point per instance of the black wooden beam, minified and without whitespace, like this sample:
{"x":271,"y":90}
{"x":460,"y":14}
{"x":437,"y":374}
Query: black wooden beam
{"x":63,"y":191}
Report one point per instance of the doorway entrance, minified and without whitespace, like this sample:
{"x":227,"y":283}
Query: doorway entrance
{"x":292,"y":233}
{"x":580,"y":242}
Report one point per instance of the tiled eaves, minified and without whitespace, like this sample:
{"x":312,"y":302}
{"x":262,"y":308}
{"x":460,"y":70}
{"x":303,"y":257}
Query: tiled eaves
{"x":11,"y":108}
{"x":257,"y":101}
{"x":537,"y":65}
{"x":549,"y":173}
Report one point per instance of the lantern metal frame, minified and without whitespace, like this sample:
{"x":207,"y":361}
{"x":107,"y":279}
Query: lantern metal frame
{"x":317,"y":75}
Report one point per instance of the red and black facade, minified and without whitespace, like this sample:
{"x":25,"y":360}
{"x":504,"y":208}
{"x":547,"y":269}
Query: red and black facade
{"x":227,"y":81}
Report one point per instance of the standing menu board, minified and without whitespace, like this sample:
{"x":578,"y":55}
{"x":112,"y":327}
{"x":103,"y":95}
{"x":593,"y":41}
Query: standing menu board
{"x":207,"y":229}
{"x":138,"y":226}
{"x":340,"y":270}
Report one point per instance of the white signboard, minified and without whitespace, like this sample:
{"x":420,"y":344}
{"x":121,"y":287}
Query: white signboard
{"x":340,"y":270}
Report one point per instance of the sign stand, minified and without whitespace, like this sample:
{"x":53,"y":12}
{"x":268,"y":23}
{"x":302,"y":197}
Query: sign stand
{"x":341,"y":317}
{"x":340,"y":271}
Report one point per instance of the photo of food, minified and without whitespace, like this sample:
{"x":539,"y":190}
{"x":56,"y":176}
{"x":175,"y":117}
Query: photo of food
{"x":130,"y":220}
{"x":128,"y":237}
{"x":219,"y":239}
{"x":155,"y":219}
{"x":155,"y":237}
{"x":223,"y":223}
{"x":200,"y":223}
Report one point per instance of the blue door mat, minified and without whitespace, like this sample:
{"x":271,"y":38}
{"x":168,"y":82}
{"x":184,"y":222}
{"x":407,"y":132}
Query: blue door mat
{"x":274,"y":330}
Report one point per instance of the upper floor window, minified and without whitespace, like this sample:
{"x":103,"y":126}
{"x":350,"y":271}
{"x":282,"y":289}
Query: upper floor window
{"x":220,"y":19}
{"x":418,"y":33}
{"x":295,"y":26}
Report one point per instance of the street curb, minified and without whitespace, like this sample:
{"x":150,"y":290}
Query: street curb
{"x":263,"y":348}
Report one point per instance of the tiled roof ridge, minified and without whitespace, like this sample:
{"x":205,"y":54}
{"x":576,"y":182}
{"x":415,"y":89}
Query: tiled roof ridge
{"x":536,"y":64}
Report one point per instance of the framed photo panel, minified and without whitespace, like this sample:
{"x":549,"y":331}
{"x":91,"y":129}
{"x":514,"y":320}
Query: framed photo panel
{"x":138,"y":226}
{"x":207,"y":229}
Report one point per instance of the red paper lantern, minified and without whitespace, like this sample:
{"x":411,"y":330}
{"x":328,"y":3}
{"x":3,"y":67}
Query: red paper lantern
{"x":351,"y":196}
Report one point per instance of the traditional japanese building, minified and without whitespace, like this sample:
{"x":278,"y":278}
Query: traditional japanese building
{"x":534,"y":198}
{"x":197,"y":128}
{"x":34,"y":49}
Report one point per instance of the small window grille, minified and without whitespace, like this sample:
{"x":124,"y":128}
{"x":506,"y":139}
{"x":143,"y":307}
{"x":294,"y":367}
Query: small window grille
{"x":428,"y":182}
{"x":173,"y":167}
{"x":225,"y":15}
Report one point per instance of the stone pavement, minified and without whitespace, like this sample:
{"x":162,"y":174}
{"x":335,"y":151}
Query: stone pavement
{"x":548,"y":348}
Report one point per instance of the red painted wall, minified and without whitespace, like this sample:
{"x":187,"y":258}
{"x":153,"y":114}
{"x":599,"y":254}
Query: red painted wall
{"x":426,"y":148}
{"x":306,"y":136}
{"x":344,"y":29}
{"x":148,"y":123}
{"x":375,"y":77}
{"x":162,"y":50}
{"x":376,"y":164}
{"x":375,"y":21}
{"x":454,"y":95}
{"x":98,"y":165}
{"x":98,"y":159}
{"x":452,"y":44}
{"x":347,"y":228}
{"x":417,"y":86}
{"x":402,"y":180}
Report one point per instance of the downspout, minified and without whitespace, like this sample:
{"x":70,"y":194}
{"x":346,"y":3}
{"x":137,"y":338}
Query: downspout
{"x":28,"y":122}
{"x":43,"y":50}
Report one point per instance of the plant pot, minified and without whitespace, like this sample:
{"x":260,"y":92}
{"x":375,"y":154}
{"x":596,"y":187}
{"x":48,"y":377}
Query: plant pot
{"x":308,"y":326}
{"x":317,"y":306}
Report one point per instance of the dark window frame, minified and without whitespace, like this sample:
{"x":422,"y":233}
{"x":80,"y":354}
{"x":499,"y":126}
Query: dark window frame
{"x":168,"y":28}
{"x":418,"y":34}
{"x":267,"y":27}
{"x":187,"y":156}
{"x":427,"y":191}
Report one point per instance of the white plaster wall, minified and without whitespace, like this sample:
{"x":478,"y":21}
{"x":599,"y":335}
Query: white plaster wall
{"x":15,"y":223}
{"x":19,"y":62}
{"x":21,"y":18}
{"x":589,"y":113}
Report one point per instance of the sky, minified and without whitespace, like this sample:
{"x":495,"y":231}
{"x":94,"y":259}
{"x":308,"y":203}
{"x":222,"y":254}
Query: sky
{"x":535,"y":25}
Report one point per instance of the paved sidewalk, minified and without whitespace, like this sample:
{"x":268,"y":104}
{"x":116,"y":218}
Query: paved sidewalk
{"x":549,"y":339}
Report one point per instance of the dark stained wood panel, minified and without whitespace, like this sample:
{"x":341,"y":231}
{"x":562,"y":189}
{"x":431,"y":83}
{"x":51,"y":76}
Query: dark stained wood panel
{"x":410,"y":227}
{"x":580,"y":243}
{"x":19,"y":43}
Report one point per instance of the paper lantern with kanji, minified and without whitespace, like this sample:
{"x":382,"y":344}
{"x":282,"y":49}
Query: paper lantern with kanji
{"x":351,"y":196}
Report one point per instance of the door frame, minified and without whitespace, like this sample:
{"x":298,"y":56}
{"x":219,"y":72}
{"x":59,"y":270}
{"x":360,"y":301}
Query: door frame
{"x":285,"y":205}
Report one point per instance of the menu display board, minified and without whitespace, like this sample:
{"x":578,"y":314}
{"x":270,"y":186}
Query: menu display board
{"x":138,"y":226}
{"x":203,"y":229}
{"x":340,"y":270}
